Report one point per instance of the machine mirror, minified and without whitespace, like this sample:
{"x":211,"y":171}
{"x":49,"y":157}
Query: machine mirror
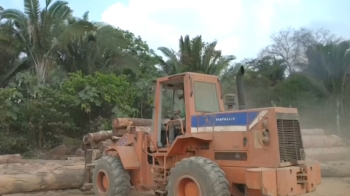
{"x":230,"y":101}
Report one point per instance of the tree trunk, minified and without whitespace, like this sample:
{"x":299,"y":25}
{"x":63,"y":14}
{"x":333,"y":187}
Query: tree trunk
{"x":335,"y":169}
{"x":338,"y":116}
{"x":312,"y":132}
{"x":10,"y":158}
{"x":41,"y":176}
{"x":103,"y":145}
{"x":99,"y":136}
{"x":322,"y":141}
{"x":126,"y":122}
{"x":96,"y":154}
{"x":119,"y":132}
{"x":328,"y":154}
{"x":76,"y":158}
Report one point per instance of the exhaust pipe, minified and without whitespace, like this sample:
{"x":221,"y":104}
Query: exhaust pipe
{"x":240,"y":88}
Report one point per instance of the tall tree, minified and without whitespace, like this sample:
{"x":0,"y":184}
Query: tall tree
{"x":328,"y":69}
{"x":103,"y":48}
{"x":196,"y":56}
{"x":290,"y":45}
{"x":40,"y":31}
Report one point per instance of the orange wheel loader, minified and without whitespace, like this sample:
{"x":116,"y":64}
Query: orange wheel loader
{"x":201,"y":149}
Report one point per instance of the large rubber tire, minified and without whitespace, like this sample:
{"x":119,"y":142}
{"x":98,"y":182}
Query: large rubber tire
{"x":118,"y":178}
{"x":210,"y":178}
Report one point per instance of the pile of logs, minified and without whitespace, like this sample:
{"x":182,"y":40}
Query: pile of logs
{"x":18,"y":175}
{"x":99,"y":141}
{"x":330,"y":150}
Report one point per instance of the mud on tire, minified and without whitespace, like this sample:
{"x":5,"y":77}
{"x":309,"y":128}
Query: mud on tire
{"x":211,"y":179}
{"x":118,"y":177}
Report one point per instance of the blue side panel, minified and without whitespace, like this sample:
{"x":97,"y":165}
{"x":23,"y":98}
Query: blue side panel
{"x":224,"y":119}
{"x":194,"y":121}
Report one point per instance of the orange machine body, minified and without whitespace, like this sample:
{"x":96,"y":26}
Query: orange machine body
{"x":260,"y":150}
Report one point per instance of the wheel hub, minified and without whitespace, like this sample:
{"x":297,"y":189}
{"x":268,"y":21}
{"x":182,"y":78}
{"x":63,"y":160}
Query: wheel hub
{"x":102,"y":182}
{"x":187,"y":186}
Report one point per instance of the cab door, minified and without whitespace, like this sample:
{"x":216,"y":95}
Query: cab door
{"x":204,"y":93}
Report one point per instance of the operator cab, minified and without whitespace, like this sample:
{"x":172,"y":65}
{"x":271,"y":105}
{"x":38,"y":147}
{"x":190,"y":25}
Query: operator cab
{"x":181,"y":100}
{"x":172,"y":110}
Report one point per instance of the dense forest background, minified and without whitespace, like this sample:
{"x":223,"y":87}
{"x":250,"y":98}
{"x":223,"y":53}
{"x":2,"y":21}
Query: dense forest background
{"x":62,"y":76}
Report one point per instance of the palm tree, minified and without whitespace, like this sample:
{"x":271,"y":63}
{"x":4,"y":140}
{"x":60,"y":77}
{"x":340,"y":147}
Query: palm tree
{"x":195,"y":56}
{"x":10,"y":50}
{"x":41,"y":31}
{"x":327,"y":69}
{"x":172,"y":65}
{"x":103,"y":48}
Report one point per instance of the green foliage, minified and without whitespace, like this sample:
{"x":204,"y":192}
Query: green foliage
{"x":295,"y":91}
{"x":46,"y":113}
{"x":40,"y":32}
{"x":100,"y":91}
{"x":269,"y":67}
{"x":43,"y":114}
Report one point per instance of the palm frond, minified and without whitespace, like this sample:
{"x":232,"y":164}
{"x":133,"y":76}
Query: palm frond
{"x":32,"y":10}
{"x":48,"y":2}
{"x":169,"y":53}
{"x":14,"y":14}
{"x":86,"y":16}
{"x":15,"y":68}
{"x":59,"y":11}
{"x":317,"y":84}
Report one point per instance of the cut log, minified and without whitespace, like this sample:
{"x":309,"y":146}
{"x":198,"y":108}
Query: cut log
{"x":99,"y":136}
{"x":10,"y":158}
{"x":41,"y":176}
{"x":126,"y":122}
{"x":76,"y":158}
{"x":68,"y":177}
{"x":312,"y":132}
{"x":322,"y":141}
{"x":335,"y":169}
{"x":120,"y":132}
{"x":328,"y":154}
{"x":139,"y":128}
{"x":96,"y":154}
{"x":85,"y":139}
{"x":104,"y":145}
{"x":31,"y":165}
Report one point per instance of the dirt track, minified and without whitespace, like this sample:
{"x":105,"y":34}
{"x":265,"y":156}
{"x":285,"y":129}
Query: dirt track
{"x":329,"y":187}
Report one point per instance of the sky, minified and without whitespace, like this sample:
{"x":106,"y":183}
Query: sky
{"x":241,"y":27}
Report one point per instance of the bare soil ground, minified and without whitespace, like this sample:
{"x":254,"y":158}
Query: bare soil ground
{"x":328,"y":187}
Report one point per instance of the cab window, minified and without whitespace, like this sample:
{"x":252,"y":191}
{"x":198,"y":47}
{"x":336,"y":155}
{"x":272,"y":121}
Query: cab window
{"x":206,"y":97}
